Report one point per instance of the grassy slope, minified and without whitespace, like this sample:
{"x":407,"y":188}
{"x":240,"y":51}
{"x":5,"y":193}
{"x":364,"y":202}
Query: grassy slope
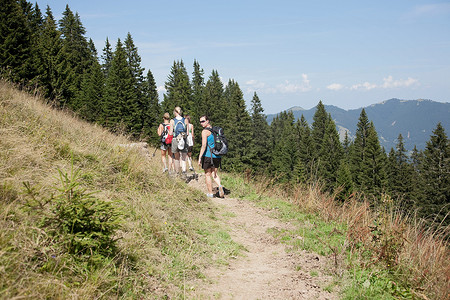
{"x":169,"y":231}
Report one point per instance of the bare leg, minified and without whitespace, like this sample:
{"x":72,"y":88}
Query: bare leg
{"x":163,"y":159}
{"x":170,"y":158}
{"x":208,"y":173}
{"x":183,"y":162}
{"x":177,"y":162}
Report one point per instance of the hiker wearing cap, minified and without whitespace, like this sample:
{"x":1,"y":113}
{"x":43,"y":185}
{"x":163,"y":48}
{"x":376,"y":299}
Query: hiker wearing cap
{"x":179,"y":146}
{"x":208,"y":160}
{"x":163,"y":132}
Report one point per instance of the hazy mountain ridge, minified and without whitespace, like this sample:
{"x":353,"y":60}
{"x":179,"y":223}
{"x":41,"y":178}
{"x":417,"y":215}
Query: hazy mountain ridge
{"x":414,"y":119}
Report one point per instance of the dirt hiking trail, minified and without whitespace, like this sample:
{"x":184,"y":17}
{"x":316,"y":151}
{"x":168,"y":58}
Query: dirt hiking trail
{"x":267,"y":270}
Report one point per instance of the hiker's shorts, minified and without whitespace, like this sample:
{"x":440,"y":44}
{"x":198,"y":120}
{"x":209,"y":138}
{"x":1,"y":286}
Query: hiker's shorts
{"x":175,"y":146}
{"x":208,"y":164}
{"x":164,"y":147}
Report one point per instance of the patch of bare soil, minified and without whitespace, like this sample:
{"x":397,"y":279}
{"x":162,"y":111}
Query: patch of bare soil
{"x":267,"y":270}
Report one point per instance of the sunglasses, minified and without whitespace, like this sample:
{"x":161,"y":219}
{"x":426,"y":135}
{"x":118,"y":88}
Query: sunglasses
{"x":202,"y":121}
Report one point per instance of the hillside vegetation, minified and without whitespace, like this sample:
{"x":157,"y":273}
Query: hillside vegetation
{"x":143,"y":235}
{"x":160,"y":232}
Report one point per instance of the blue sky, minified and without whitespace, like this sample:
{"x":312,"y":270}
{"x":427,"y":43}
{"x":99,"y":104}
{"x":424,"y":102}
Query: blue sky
{"x":291,"y":53}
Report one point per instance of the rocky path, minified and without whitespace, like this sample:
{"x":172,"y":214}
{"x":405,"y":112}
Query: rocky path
{"x":267,"y":270}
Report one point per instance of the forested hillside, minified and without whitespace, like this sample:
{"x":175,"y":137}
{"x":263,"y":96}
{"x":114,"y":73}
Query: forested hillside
{"x":55,"y":59}
{"x":414,"y":119}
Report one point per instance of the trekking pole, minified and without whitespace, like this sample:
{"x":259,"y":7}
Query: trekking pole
{"x":156,"y":148}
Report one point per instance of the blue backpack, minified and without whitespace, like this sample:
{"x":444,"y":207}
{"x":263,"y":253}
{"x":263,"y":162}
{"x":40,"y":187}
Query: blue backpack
{"x":179,"y":127}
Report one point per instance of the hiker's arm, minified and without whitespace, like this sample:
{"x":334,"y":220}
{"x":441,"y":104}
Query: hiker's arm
{"x":171,"y":127}
{"x":160,"y":129}
{"x":203,"y":148}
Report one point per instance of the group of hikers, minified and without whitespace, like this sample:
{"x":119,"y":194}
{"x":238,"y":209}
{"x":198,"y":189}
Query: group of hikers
{"x":177,"y":141}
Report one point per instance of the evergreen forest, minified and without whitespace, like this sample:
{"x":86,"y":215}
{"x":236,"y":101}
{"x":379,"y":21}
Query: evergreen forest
{"x":55,"y":58}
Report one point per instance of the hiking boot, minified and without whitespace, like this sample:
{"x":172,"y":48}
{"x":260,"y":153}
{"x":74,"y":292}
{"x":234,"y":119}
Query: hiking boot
{"x":165,"y":170}
{"x":221,"y":192}
{"x":191,"y":169}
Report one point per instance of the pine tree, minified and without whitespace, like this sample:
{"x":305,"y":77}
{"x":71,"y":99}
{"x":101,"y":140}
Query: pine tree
{"x":34,"y":21}
{"x":330,"y":155}
{"x":74,"y":57}
{"x":213,"y":103}
{"x":304,"y":154}
{"x":283,"y":153}
{"x":357,"y":150}
{"x":120,"y":92}
{"x":373,"y":173}
{"x":49,"y":46}
{"x":15,"y":42}
{"x":178,"y":89}
{"x":198,"y":86}
{"x":260,"y":146}
{"x":107,"y":57}
{"x":435,"y":173}
{"x":416,"y":178}
{"x":344,"y":183}
{"x":152,"y":111}
{"x":399,"y":173}
{"x":198,"y":101}
{"x":237,"y":127}
{"x":138,"y":106}
{"x":91,"y":94}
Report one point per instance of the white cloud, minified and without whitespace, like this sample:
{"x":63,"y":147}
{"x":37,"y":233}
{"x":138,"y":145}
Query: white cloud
{"x":255,"y":84}
{"x":366,"y":86}
{"x":161,"y":89}
{"x":289,"y":87}
{"x":335,"y":87}
{"x":389,"y":82}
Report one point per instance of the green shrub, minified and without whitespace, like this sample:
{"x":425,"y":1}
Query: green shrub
{"x":83,"y":224}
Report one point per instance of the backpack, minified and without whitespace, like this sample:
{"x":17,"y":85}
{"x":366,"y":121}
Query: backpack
{"x":220,"y":141}
{"x":165,"y":133}
{"x":176,"y":128}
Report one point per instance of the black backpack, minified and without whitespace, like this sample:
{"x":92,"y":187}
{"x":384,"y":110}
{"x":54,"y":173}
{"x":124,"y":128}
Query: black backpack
{"x":220,"y":141}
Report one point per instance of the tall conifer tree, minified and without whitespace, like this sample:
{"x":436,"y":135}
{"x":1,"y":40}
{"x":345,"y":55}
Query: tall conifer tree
{"x":120,"y":92}
{"x":237,"y":127}
{"x":330,"y":155}
{"x":373,"y":172}
{"x":400,"y":173}
{"x":152,"y":112}
{"x":435,"y":172}
{"x":106,"y":58}
{"x":74,"y":57}
{"x":283,"y":154}
{"x":138,"y":106}
{"x":178,"y":89}
{"x":49,"y":46}
{"x":213,"y":103}
{"x":304,"y":154}
{"x":357,"y":150}
{"x":260,"y":146}
{"x":15,"y":41}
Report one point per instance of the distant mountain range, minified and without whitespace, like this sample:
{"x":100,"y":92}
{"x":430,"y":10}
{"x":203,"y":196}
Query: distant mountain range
{"x":414,"y":119}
